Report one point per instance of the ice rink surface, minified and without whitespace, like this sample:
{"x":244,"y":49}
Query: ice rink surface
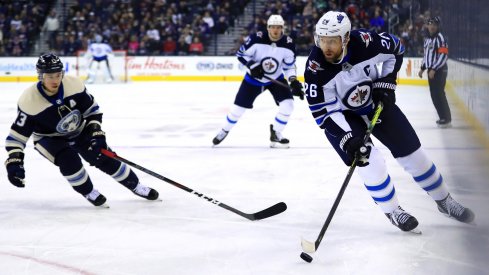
{"x":47,"y":228}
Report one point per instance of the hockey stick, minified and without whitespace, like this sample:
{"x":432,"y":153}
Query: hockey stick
{"x":266,"y":213}
{"x":277,"y":82}
{"x":311,"y":247}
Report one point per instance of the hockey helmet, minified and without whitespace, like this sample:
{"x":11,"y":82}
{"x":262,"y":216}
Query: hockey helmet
{"x":49,"y":63}
{"x":98,"y":38}
{"x":333,"y":23}
{"x":275,"y":20}
{"x":434,"y":20}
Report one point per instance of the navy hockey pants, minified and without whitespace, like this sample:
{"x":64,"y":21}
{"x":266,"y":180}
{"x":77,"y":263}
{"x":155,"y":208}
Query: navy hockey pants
{"x":393,"y":130}
{"x":248,"y":92}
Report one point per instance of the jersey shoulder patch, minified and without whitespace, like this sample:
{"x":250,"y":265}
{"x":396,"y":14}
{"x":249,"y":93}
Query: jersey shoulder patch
{"x":32,"y":102}
{"x":72,"y":85}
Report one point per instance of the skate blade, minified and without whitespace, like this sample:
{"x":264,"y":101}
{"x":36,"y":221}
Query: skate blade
{"x":415,"y":231}
{"x":103,"y":206}
{"x":278,"y":145}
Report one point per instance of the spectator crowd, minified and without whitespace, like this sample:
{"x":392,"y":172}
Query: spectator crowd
{"x":171,"y":27}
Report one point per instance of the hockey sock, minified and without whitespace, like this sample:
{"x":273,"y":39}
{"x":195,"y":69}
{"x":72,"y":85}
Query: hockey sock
{"x":425,"y":173}
{"x":378,"y":182}
{"x":285,"y":108}
{"x":233,"y":116}
{"x":125,"y":176}
{"x":71,"y":168}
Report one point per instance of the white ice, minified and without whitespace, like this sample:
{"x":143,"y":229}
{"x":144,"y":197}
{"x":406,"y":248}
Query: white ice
{"x":47,"y":228}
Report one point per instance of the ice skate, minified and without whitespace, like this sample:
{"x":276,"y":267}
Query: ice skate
{"x":146,"y":192}
{"x":453,"y":209}
{"x":403,"y":220}
{"x":97,"y":199}
{"x":220,"y":137}
{"x":443,"y":123}
{"x":277,"y":140}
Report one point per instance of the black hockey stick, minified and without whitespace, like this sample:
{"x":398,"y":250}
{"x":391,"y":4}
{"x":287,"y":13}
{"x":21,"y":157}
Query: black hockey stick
{"x":266,"y":213}
{"x":311,"y":247}
{"x":277,"y":82}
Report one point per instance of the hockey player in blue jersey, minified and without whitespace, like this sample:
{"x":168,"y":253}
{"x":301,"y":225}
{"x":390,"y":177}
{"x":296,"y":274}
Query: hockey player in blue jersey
{"x":343,"y":85}
{"x":269,"y":54}
{"x":65,"y":122}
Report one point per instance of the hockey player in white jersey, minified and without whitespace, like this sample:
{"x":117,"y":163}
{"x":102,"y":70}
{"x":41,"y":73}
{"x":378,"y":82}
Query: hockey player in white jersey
{"x":99,"y":52}
{"x":267,"y":55}
{"x":343,"y":85}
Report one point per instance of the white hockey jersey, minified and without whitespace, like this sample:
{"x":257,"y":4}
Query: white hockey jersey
{"x":277,"y":58}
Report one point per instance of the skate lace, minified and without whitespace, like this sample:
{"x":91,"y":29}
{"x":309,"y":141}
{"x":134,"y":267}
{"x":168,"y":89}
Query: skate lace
{"x":400,"y":216}
{"x":453,"y":207}
{"x":93,"y":195}
{"x":222,"y":134}
{"x":142,"y":190}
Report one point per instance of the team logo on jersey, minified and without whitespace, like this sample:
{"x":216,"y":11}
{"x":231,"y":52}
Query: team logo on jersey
{"x":314,"y":66}
{"x":269,"y":65}
{"x":358,"y":95}
{"x":259,"y":34}
{"x":346,"y":67}
{"x":366,"y":38}
{"x":72,"y":103}
{"x":69,"y":123}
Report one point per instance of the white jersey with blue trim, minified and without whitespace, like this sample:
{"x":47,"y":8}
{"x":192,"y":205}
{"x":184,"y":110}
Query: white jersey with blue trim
{"x":276,"y":57}
{"x":99,"y":50}
{"x":334,"y":88}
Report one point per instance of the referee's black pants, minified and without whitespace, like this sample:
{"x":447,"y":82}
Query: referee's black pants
{"x":438,"y":96}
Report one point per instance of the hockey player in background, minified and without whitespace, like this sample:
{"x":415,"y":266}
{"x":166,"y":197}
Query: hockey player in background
{"x":343,"y":85}
{"x":99,"y":52}
{"x":65,"y":122}
{"x":266,"y":54}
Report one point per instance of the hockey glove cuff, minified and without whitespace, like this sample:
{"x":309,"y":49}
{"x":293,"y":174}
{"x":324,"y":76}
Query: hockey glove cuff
{"x":296,"y":88}
{"x":97,"y":139}
{"x":256,"y":70}
{"x":384,"y":90}
{"x":15,"y":169}
{"x":356,"y":147}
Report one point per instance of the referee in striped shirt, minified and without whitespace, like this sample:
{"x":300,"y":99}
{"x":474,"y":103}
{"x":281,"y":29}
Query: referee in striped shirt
{"x":435,"y":61}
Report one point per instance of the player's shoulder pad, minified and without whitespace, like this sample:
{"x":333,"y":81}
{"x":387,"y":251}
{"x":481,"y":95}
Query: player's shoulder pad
{"x":32,"y":102}
{"x":72,"y":85}
{"x":286,"y":42}
{"x":383,"y":42}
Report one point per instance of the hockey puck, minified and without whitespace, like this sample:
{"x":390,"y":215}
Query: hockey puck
{"x":306,"y":257}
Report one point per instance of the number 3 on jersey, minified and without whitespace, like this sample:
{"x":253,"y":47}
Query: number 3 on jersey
{"x":311,"y":90}
{"x":21,"y":119}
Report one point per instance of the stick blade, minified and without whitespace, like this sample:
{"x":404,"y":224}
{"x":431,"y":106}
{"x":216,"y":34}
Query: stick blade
{"x":307,"y":246}
{"x":270,"y":211}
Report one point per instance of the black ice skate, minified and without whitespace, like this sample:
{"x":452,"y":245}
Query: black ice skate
{"x":443,"y":123}
{"x":403,"y":220}
{"x":145,"y":192}
{"x":453,"y":209}
{"x":220,"y":137}
{"x":277,"y":140}
{"x":96,"y":198}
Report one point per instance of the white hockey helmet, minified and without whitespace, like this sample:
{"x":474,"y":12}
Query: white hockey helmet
{"x":275,"y":20}
{"x":333,"y":23}
{"x":98,"y":38}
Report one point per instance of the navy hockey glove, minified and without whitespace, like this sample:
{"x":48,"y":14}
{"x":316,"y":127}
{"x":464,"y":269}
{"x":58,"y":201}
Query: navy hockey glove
{"x":97,"y":140}
{"x":296,"y":88}
{"x":356,"y":147}
{"x":384,"y":90}
{"x":256,"y":70}
{"x":15,"y":169}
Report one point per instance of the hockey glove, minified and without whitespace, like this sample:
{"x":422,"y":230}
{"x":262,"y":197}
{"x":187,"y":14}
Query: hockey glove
{"x":356,"y":147}
{"x":256,"y":70}
{"x":15,"y":169}
{"x":384,"y":90}
{"x":296,"y":88}
{"x":97,"y":140}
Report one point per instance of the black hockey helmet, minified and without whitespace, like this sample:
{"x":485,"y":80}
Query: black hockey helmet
{"x":49,"y":63}
{"x":434,"y":20}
